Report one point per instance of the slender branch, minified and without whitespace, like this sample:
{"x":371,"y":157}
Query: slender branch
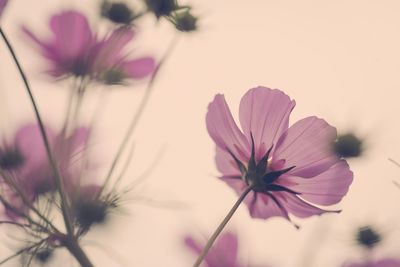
{"x":221,"y":227}
{"x":139,"y":113}
{"x":73,"y":247}
{"x":25,"y":200}
{"x":19,"y":252}
{"x":57,"y":176}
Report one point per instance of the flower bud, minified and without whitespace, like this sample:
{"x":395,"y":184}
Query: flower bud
{"x":348,"y":146}
{"x":368,"y":237}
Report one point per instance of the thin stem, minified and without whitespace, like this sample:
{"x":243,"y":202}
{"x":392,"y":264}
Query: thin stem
{"x":25,"y":199}
{"x":221,"y":227}
{"x":73,"y":247}
{"x":138,"y":114}
{"x":57,"y":176}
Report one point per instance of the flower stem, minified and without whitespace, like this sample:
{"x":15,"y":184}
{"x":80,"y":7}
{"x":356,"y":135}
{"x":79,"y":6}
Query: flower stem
{"x":73,"y":247}
{"x":221,"y":227}
{"x":138,"y":114}
{"x":57,"y":176}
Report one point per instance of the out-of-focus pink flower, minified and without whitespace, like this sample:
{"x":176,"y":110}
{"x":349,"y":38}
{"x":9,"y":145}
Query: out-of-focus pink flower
{"x":75,"y":50}
{"x":25,"y":161}
{"x":3,"y":4}
{"x":379,"y":263}
{"x":288,"y":168}
{"x":224,"y":253}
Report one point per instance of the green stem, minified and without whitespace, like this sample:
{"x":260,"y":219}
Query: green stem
{"x":57,"y":176}
{"x":221,"y":227}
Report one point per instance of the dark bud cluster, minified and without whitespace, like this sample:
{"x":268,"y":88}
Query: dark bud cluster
{"x":162,"y":7}
{"x":184,"y":21}
{"x":368,"y":237}
{"x":348,"y":146}
{"x":118,"y":12}
{"x":11,"y":159}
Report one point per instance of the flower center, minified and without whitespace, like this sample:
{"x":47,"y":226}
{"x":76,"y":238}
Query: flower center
{"x":11,"y":159}
{"x":259,"y":175}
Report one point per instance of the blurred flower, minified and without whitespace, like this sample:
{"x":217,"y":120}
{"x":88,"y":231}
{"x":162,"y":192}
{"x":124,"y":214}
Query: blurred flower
{"x":379,"y":263}
{"x":368,"y":237}
{"x":286,"y":168}
{"x":25,"y":161}
{"x":88,"y":207}
{"x":75,"y":50}
{"x":348,"y":146}
{"x":224,"y":253}
{"x":117,"y":12}
{"x":184,"y":21}
{"x":3,"y":4}
{"x":162,"y":7}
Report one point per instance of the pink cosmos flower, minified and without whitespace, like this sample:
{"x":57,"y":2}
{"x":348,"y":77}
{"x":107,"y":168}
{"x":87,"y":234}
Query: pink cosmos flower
{"x":379,"y":263}
{"x":26,"y":162}
{"x":224,"y":252}
{"x":74,"y":50}
{"x":288,"y":168}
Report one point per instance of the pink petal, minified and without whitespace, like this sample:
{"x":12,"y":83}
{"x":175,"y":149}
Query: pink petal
{"x":72,"y":34}
{"x":225,"y":163}
{"x":263,"y":206}
{"x":224,"y":252}
{"x":193,"y":245}
{"x":109,"y":50}
{"x":139,"y":68}
{"x":3,"y":4}
{"x":223,"y":129}
{"x":294,"y":205}
{"x":264,"y":113}
{"x":307,"y":145}
{"x":327,"y":188}
{"x":29,"y":140}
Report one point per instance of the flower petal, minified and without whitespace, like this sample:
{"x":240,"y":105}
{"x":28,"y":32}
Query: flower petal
{"x":327,"y":188}
{"x":109,"y":50}
{"x":296,"y":206}
{"x":263,"y":206}
{"x":29,"y":140}
{"x":223,"y":129}
{"x":139,"y":68}
{"x":72,"y":34}
{"x":225,"y":163}
{"x":264,"y":113}
{"x":307,"y":145}
{"x":3,"y":4}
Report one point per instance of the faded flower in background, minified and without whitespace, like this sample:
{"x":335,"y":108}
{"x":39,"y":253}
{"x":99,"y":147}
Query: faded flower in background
{"x":287,"y":168}
{"x":75,"y":50}
{"x":26,"y":164}
{"x":224,"y":253}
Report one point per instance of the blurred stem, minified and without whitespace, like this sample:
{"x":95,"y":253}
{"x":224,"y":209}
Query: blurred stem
{"x":221,"y":227}
{"x":57,"y":176}
{"x":139,"y":112}
{"x":72,"y":243}
{"x":73,"y":247}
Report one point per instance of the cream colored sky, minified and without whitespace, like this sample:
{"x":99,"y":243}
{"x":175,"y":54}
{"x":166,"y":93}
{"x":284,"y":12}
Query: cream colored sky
{"x":338,"y":59}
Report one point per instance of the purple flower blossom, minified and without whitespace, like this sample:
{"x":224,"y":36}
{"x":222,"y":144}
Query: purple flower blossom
{"x":288,"y":168}
{"x":25,"y":161}
{"x":224,"y":252}
{"x":74,"y":50}
{"x":3,"y":4}
{"x":379,"y":263}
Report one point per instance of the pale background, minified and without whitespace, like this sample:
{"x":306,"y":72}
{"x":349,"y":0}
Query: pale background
{"x":340,"y":60}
